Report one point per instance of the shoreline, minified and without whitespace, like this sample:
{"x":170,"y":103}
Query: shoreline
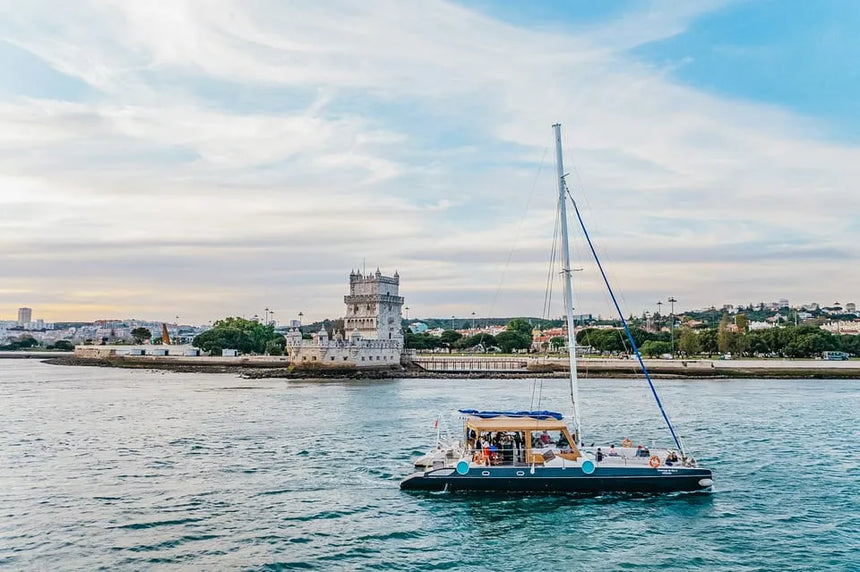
{"x":610,"y":369}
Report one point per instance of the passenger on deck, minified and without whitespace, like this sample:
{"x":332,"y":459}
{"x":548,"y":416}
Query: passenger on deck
{"x":671,"y":458}
{"x":599,"y":455}
{"x":518,"y":446}
{"x":562,"y":441}
{"x":507,"y":448}
{"x":612,"y":452}
{"x":640,"y":452}
{"x":545,"y":439}
{"x":479,"y":443}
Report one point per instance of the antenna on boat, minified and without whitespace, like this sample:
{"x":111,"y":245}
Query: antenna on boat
{"x":568,"y":293}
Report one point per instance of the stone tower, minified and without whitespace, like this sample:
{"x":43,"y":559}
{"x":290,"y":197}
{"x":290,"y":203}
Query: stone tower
{"x":373,"y":307}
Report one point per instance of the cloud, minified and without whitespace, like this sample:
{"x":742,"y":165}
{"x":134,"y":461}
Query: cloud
{"x":246,"y":151}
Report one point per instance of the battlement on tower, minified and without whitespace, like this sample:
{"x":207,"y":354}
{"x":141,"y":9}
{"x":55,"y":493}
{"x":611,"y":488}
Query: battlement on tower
{"x":356,"y":276}
{"x":373,"y":307}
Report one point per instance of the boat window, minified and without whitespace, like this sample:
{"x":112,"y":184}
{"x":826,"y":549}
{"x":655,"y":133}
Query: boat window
{"x":497,"y":447}
{"x":553,"y":439}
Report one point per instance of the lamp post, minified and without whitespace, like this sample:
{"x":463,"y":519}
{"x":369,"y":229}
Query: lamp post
{"x":452,"y":323}
{"x":659,"y":308}
{"x":266,"y":318}
{"x":473,"y":322}
{"x":300,"y":319}
{"x":672,"y":301}
{"x":407,"y":313}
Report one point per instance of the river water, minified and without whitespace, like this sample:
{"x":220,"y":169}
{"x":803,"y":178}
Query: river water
{"x":122,"y":469}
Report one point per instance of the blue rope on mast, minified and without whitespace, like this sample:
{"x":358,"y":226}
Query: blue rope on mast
{"x":624,"y":323}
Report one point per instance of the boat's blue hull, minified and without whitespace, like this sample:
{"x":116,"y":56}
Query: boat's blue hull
{"x":562,"y":480}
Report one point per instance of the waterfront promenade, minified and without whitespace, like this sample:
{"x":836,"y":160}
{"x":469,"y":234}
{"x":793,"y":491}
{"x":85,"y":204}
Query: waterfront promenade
{"x":444,"y":365}
{"x":626,"y":367}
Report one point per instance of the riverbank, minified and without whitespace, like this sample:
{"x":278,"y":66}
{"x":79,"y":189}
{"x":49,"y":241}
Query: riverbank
{"x":260,"y":368}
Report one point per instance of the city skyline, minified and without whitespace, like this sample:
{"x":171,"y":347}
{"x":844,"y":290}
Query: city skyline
{"x":170,"y":160}
{"x":739,"y":307}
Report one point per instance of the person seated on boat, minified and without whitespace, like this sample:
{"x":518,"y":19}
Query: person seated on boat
{"x":612,"y":452}
{"x":562,"y":440}
{"x":640,"y":452}
{"x":599,"y":455}
{"x":472,"y":437}
{"x":545,"y":439}
{"x":493,"y":455}
{"x":671,"y":458}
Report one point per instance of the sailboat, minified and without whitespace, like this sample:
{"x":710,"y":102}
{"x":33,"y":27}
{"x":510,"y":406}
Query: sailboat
{"x":542,"y":451}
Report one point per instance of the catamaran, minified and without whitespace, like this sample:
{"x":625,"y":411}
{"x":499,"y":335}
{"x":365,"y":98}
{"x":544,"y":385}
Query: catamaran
{"x":537,"y":451}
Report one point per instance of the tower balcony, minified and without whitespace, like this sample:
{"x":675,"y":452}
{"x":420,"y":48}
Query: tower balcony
{"x":373,"y":299}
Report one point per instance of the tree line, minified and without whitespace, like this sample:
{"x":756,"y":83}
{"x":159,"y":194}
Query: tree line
{"x":803,"y":341}
{"x":247,"y":336}
{"x":517,"y":336}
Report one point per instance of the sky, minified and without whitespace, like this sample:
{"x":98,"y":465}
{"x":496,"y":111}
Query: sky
{"x":207,"y":159}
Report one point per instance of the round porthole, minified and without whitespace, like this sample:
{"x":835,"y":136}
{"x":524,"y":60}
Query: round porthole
{"x":520,"y":473}
{"x":485,"y":473}
{"x":588,"y":466}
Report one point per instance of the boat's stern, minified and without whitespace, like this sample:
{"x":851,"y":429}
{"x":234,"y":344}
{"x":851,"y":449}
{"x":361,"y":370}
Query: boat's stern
{"x":425,"y":481}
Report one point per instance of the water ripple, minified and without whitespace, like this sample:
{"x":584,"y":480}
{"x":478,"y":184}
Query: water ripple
{"x":107,"y":469}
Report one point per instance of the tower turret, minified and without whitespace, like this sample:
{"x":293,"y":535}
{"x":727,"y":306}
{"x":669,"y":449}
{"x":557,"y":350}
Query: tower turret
{"x":373,"y":307}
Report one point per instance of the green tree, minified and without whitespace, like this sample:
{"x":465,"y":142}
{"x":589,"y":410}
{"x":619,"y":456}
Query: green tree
{"x":449,"y":338}
{"x":484,"y":340}
{"x":141,"y":334}
{"x":723,"y":335}
{"x":757,"y":343}
{"x":708,"y":341}
{"x":688,"y":342}
{"x":520,"y":326}
{"x":64,"y":346}
{"x":742,"y":323}
{"x":557,"y":342}
{"x":851,"y":345}
{"x":604,"y":339}
{"x":809,"y":341}
{"x":509,"y":341}
{"x":276,"y":347}
{"x":653,"y":348}
{"x":422,"y":341}
{"x":247,"y":336}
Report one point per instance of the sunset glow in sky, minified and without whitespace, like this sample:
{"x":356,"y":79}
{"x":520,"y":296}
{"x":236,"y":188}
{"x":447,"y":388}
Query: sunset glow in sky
{"x":205,"y":159}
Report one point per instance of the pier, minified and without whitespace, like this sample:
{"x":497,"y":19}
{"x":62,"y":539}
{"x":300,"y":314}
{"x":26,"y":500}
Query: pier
{"x":471,"y":364}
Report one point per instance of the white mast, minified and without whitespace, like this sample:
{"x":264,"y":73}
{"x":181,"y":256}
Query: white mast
{"x":568,"y":293}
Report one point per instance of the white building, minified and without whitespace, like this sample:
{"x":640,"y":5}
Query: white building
{"x":373,"y":306}
{"x":372,"y":325}
{"x":842,"y":327}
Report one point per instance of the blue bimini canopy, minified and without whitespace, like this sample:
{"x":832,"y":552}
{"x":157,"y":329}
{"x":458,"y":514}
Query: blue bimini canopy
{"x":532,"y":414}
